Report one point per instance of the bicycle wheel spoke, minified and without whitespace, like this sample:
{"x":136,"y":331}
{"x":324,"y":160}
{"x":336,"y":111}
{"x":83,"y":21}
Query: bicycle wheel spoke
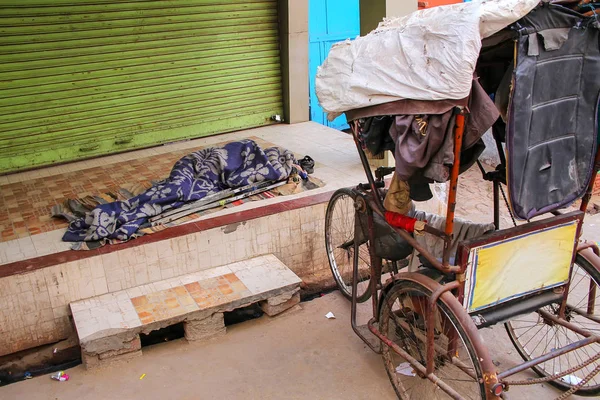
{"x":403,"y":320}
{"x":339,"y":237}
{"x":523,"y":332}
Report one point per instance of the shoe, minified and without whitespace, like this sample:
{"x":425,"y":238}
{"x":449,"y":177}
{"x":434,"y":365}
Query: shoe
{"x":307,"y":164}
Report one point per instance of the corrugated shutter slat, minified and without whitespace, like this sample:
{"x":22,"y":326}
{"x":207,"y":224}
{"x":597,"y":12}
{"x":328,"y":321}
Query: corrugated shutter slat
{"x":88,"y":78}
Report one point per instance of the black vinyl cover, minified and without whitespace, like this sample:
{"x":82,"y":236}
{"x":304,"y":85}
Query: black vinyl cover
{"x":552,"y":122}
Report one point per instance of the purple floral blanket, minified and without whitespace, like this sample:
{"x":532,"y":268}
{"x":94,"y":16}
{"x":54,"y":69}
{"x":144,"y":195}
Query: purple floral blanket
{"x":193,"y":177}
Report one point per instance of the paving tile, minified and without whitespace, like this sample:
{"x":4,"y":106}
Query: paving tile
{"x":217,"y":291}
{"x":26,"y":198}
{"x":40,"y":190}
{"x":164,"y":304}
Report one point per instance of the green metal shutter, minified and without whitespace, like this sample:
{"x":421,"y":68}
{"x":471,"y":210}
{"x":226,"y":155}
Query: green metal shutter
{"x":91,"y":77}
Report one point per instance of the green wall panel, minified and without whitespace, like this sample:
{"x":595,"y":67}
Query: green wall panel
{"x":85,"y":78}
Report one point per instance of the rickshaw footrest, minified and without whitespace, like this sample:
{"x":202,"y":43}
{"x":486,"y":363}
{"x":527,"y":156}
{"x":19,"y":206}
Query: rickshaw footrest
{"x":505,"y":312}
{"x":365,"y":334}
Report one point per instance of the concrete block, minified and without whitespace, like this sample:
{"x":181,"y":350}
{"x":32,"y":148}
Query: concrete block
{"x":91,"y":362}
{"x":130,"y":347}
{"x":206,"y":328}
{"x":278,"y":304}
{"x":125,"y":351}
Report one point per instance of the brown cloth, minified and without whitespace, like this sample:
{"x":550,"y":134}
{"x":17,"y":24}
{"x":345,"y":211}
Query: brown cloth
{"x":426,"y":142}
{"x":418,"y":139}
{"x":397,"y":198}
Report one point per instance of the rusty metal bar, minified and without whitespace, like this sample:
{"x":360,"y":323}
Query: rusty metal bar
{"x":414,"y":363}
{"x":577,"y":248}
{"x":366,"y":166}
{"x":354,"y":299}
{"x":588,"y":245}
{"x":556,"y":376}
{"x":458,"y":139}
{"x":592,"y":301}
{"x":497,"y":205}
{"x":431,"y":311}
{"x":584,"y":314}
{"x":546,"y":357}
{"x":463,"y":367}
{"x":590,"y":189}
{"x":376,"y":267}
{"x":591,"y":306}
{"x":549,"y":317}
{"x":581,"y":247}
{"x":435,"y":232}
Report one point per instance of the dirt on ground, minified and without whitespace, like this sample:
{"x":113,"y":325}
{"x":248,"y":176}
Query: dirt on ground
{"x":298,"y":355}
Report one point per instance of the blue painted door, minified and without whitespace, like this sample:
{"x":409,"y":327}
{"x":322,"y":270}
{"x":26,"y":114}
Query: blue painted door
{"x":329,"y":22}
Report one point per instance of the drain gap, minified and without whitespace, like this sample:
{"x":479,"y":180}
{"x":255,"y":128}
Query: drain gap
{"x":41,"y":360}
{"x":306,"y":297}
{"x":244,"y":314}
{"x":167,"y":334}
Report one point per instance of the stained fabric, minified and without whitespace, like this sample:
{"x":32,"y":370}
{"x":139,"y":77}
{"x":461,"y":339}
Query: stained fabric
{"x":430,"y":54}
{"x":193,"y":177}
{"x":375,"y":134}
{"x":397,"y":198}
{"x":405,"y":107}
{"x":554,"y":38}
{"x":463,"y":230}
{"x":424,"y":144}
{"x":418,"y":139}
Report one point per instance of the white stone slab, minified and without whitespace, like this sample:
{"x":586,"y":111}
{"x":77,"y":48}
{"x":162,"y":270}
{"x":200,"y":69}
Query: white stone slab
{"x":114,"y":313}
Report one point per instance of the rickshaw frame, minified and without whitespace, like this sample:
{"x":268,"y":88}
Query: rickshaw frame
{"x":369,"y":201}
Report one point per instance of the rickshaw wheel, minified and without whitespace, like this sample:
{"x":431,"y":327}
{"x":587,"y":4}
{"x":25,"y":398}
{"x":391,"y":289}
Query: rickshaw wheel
{"x":339,"y":236}
{"x":532,"y":337}
{"x":402,"y":319}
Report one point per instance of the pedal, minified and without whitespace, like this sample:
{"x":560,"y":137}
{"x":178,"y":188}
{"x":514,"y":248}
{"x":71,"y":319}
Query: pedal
{"x":382,"y":172}
{"x":366,"y":186}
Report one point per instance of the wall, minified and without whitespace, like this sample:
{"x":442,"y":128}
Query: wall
{"x":293,"y":31}
{"x":400,"y":8}
{"x":372,"y":12}
{"x":34,"y":307}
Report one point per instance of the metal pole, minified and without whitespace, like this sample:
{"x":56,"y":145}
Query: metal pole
{"x":458,"y":139}
{"x":546,"y":357}
{"x":497,"y":205}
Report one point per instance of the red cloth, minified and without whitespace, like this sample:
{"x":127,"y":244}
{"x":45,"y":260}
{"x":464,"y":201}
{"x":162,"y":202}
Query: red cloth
{"x":400,"y":221}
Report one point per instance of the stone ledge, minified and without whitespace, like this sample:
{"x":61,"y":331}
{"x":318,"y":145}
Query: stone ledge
{"x":108,"y":326}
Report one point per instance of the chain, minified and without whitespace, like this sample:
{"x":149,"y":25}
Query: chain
{"x":560,"y":375}
{"x":579,"y":385}
{"x":508,"y":205}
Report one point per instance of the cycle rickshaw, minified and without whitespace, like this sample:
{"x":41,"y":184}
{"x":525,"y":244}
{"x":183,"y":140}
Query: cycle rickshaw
{"x":538,"y":278}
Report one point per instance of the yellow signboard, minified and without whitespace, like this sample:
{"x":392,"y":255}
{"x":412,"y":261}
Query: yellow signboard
{"x":516,"y":266}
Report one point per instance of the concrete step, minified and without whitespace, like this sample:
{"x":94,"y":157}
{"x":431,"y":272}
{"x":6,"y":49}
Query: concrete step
{"x":108,"y":326}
